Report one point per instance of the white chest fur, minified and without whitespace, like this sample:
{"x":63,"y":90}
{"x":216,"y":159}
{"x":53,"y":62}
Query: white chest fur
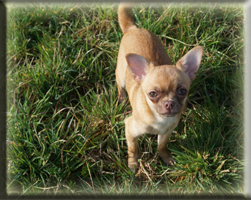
{"x":160,"y":126}
{"x":164,"y":125}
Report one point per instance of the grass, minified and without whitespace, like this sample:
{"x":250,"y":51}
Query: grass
{"x":65,"y":126}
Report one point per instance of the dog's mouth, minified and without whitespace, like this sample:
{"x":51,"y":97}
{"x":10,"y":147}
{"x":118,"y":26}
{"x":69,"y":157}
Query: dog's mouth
{"x":168,"y":114}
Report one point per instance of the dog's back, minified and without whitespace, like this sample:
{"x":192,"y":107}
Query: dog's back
{"x":140,"y":41}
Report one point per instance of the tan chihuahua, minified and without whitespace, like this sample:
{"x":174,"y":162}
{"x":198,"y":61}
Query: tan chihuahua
{"x":157,"y":89}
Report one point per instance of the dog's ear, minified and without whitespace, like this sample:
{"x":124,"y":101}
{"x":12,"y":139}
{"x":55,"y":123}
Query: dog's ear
{"x":190,"y":62}
{"x":138,"y":65}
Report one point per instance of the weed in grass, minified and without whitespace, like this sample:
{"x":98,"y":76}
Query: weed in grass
{"x":65,"y":126}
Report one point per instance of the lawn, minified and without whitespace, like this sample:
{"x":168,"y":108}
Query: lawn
{"x":66,"y":129}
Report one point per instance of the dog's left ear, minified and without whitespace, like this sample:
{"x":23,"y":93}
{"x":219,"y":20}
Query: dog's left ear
{"x":190,"y":62}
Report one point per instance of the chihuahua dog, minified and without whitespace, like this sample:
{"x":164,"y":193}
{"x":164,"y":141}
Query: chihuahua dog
{"x":157,"y":88}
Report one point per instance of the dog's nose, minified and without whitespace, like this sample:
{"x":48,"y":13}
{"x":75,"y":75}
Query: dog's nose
{"x":169,"y":104}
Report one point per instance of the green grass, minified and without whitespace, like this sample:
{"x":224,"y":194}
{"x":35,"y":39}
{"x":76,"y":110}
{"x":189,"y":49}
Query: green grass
{"x":65,"y":126}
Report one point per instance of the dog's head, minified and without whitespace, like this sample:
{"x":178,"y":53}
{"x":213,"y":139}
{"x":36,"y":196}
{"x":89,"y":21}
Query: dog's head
{"x":166,"y":87}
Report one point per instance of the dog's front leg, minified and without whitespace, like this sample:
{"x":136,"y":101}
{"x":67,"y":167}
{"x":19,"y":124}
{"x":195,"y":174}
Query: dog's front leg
{"x":131,"y":138}
{"x":165,"y":156}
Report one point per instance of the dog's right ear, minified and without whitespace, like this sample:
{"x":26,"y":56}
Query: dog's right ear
{"x":138,"y":65}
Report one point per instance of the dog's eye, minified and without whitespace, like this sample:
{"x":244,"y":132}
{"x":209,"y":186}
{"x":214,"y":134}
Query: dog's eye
{"x":182,"y":92}
{"x":153,"y":94}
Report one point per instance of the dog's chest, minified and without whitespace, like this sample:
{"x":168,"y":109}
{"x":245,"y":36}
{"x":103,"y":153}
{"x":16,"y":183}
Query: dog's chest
{"x":163,"y":125}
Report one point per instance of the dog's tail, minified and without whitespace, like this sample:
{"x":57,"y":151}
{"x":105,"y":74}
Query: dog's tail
{"x":125,"y":17}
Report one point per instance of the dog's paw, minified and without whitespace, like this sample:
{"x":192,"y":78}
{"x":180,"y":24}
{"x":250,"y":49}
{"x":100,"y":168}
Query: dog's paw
{"x":121,"y":99}
{"x":169,"y":160}
{"x":133,"y":166}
